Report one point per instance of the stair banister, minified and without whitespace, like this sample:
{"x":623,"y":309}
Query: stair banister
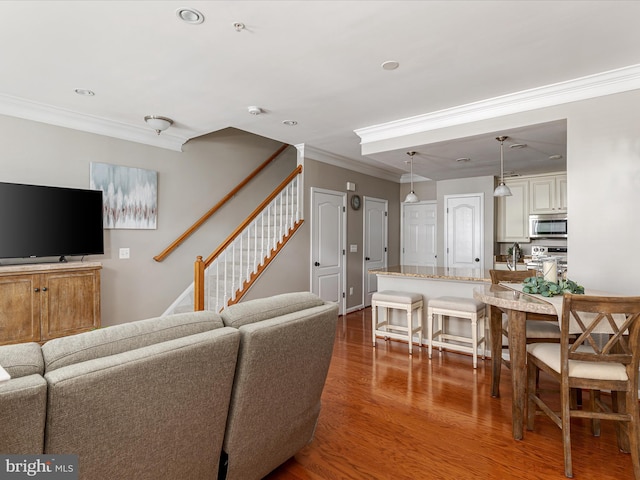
{"x":187,"y":233}
{"x":201,"y":265}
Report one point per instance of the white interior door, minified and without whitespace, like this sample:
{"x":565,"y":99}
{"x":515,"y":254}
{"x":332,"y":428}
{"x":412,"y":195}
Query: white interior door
{"x":419,"y":233}
{"x":375,"y":243}
{"x":328,"y":231}
{"x":464,"y":230}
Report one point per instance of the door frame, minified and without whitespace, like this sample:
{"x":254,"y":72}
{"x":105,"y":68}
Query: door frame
{"x":343,"y":273}
{"x":446,"y":226}
{"x":363,"y":302}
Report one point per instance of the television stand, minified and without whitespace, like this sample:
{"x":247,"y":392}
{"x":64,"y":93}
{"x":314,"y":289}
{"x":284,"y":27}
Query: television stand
{"x":39,"y":302}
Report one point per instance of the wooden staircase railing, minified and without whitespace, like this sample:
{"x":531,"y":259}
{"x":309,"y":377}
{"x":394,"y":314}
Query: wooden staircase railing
{"x":187,"y":233}
{"x":201,"y":265}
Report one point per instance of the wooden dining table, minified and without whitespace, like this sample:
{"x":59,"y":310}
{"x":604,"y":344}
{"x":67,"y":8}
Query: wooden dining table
{"x":516,"y":305}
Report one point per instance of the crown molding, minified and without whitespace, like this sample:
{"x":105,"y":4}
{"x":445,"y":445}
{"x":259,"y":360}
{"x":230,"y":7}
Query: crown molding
{"x":597,"y":85}
{"x":348,"y":163}
{"x":38,"y":112}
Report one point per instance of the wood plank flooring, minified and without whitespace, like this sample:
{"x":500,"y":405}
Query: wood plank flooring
{"x":388,"y":415}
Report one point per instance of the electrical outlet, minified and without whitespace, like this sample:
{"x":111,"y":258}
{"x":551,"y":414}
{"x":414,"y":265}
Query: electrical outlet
{"x":124,"y":253}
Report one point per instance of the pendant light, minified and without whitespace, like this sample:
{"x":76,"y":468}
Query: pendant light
{"x":411,"y":196}
{"x":502,"y":190}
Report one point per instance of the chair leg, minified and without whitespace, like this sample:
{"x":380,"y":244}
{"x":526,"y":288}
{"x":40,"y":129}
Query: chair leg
{"x":374,"y":322}
{"x":429,"y":331}
{"x":565,"y":415}
{"x":474,"y":340}
{"x":594,"y":396}
{"x":633,"y":430}
{"x":532,"y":375}
{"x":619,"y":405}
{"x":410,"y":328}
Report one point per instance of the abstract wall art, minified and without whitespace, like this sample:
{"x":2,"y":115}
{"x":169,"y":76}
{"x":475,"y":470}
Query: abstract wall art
{"x":130,"y":195}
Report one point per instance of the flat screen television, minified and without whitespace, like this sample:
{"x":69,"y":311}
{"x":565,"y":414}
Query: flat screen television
{"x":42,"y":221}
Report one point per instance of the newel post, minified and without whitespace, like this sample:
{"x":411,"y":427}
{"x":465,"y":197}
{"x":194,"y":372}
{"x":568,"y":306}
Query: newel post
{"x":198,"y":284}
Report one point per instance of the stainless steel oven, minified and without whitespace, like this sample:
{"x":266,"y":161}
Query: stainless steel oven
{"x":548,"y":226}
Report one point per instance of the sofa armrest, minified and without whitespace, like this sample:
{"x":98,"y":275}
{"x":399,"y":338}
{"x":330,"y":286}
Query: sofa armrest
{"x":23,"y":403}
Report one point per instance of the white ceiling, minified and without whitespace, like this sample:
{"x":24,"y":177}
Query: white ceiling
{"x":316,"y":62}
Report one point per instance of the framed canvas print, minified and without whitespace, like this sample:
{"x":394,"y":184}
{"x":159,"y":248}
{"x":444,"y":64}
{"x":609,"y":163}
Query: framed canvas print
{"x":129,"y":195}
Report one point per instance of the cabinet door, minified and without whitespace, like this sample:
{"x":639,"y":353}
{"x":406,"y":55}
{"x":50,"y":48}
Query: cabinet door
{"x":71,"y":303}
{"x":19,"y":309}
{"x":513,"y":213}
{"x":561,"y":193}
{"x":543,"y":195}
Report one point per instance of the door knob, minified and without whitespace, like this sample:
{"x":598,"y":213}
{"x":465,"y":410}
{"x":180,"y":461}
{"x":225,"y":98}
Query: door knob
{"x":367,"y":258}
{"x":317,"y":264}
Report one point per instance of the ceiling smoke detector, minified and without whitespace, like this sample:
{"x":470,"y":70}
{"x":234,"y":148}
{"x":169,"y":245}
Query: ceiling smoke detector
{"x":253,"y":110}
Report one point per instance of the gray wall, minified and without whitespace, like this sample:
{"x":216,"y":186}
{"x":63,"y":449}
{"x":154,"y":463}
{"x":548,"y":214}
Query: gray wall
{"x":189,"y":184}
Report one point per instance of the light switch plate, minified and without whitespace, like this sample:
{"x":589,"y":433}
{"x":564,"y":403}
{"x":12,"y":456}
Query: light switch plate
{"x":125,"y":253}
{"x":353,"y":248}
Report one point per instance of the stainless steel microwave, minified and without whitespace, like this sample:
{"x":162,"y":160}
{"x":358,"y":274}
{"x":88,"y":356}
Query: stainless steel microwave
{"x":548,"y":226}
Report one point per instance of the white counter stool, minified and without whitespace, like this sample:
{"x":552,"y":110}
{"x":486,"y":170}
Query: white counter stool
{"x":461,"y":307}
{"x":389,"y":299}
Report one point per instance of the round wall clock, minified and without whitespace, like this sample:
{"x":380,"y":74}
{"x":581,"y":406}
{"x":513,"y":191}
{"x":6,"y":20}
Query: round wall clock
{"x":355,"y":202}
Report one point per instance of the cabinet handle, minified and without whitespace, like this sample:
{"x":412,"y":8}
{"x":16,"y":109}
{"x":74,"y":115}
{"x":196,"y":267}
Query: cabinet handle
{"x":44,"y":289}
{"x":36,"y":290}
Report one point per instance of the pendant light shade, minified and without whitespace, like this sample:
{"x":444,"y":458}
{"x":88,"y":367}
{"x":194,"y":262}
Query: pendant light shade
{"x":502,"y":190}
{"x":411,"y":196}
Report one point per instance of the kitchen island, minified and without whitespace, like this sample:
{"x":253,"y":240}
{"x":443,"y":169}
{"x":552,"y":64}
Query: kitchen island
{"x":434,"y":282}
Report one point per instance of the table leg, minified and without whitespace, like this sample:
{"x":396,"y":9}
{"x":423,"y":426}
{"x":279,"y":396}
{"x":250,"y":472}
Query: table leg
{"x":495,"y":329}
{"x":518,"y":355}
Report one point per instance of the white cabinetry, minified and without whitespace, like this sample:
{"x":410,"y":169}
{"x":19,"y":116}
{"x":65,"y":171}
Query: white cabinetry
{"x":513,"y":213}
{"x":548,"y":194}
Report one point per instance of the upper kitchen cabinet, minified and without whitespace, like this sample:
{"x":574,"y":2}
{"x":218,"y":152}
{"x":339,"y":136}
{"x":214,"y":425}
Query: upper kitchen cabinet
{"x":513,"y":212}
{"x":548,"y":194}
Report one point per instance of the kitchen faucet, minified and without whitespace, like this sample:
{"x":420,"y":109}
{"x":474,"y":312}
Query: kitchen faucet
{"x":514,"y":257}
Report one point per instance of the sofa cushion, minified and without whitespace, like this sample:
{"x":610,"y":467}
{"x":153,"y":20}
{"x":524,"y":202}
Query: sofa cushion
{"x":22,"y":359}
{"x":107,"y":341}
{"x":261,"y":309}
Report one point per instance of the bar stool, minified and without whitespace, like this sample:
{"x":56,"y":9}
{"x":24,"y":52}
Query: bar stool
{"x":389,"y":299}
{"x":468,"y":308}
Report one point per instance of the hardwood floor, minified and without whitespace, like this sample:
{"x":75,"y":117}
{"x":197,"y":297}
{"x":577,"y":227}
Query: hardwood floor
{"x":387,"y":415}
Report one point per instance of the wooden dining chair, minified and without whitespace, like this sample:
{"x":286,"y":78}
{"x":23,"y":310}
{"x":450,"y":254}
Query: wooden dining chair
{"x":539,"y":327}
{"x":605,"y":355}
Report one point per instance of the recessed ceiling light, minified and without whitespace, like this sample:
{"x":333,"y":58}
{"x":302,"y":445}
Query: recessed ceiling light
{"x":84,"y":91}
{"x":518,"y":145}
{"x":555,"y":157}
{"x":239,"y":26}
{"x":289,"y":123}
{"x":190,"y":15}
{"x":390,"y":65}
{"x":463,"y":159}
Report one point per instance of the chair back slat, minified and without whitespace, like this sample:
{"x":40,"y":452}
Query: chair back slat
{"x":608,"y":325}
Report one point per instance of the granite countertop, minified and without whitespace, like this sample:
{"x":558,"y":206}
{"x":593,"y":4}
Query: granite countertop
{"x":503,"y":259}
{"x":440,"y":273}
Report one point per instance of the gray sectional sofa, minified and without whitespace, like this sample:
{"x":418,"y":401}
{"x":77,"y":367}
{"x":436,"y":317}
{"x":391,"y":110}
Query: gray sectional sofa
{"x":187,"y":396}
